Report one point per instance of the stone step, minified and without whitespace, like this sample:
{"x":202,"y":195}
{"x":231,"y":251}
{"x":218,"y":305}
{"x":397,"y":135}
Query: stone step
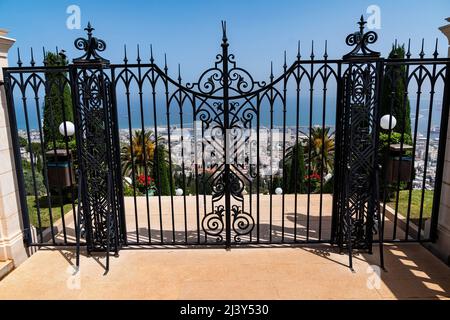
{"x":5,"y":268}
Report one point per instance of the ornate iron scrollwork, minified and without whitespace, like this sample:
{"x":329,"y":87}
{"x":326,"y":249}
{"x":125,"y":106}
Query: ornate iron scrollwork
{"x":243,"y":223}
{"x":225,"y":82}
{"x":239,"y":80}
{"x":213,"y":223}
{"x":98,"y":149}
{"x":360,"y":40}
{"x":357,"y":168}
{"x":90,"y":46}
{"x":229,"y":103}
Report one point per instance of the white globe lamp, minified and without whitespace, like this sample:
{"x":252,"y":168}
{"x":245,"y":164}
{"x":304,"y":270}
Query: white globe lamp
{"x":179,"y":192}
{"x":69,"y":128}
{"x":278,"y":190}
{"x":388,"y":122}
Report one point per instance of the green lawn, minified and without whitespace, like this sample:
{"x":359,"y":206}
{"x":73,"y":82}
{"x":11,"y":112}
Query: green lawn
{"x":416,"y":197}
{"x":44,"y":210}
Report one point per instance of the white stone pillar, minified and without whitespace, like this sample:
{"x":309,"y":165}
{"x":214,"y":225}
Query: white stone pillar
{"x":442,"y":245}
{"x":11,"y":231}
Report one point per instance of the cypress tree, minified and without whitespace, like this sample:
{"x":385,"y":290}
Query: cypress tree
{"x":58,"y":102}
{"x":161,"y":170}
{"x":393,"y":95}
{"x":295,"y":162}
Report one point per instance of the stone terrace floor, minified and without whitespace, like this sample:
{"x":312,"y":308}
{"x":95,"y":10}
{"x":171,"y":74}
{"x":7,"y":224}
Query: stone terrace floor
{"x":309,"y":272}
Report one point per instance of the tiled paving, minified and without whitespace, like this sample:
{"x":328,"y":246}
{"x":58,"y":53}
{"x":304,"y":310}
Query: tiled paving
{"x":311,"y":272}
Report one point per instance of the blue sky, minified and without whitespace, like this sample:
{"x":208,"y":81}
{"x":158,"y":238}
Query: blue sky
{"x":189,"y":31}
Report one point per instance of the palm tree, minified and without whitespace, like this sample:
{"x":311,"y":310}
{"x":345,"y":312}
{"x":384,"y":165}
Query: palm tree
{"x":140,"y":152}
{"x":320,"y":144}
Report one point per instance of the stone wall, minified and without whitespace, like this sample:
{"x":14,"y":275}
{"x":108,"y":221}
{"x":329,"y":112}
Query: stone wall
{"x":11,"y":235}
{"x":442,"y":245}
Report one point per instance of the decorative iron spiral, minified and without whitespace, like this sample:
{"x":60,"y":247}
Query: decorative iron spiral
{"x":213,"y":223}
{"x":243,"y":222}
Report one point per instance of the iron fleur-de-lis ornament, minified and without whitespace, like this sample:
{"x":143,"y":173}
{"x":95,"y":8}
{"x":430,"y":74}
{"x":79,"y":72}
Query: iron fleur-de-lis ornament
{"x":360,"y":40}
{"x":91,"y":46}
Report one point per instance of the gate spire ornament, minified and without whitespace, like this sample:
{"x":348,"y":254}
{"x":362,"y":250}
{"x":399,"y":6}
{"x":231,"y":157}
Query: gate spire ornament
{"x":224,"y":32}
{"x":90,"y":46}
{"x":360,"y":40}
{"x":98,"y":149}
{"x":358,"y":204}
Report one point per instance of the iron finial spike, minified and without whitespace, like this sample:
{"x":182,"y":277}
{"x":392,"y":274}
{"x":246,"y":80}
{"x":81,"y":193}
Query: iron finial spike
{"x":395,"y":44}
{"x":298,"y":50}
{"x":326,"y":50}
{"x":19,"y":62}
{"x":179,"y":73}
{"x":435,"y":53}
{"x":224,"y":31}
{"x":271,"y":71}
{"x":285,"y":62}
{"x":422,"y":53}
{"x":57,"y":51}
{"x":165,"y":63}
{"x":408,"y":54}
{"x":89,"y":29}
{"x":45,"y":56}
{"x":32,"y":57}
{"x":312,"y":50}
{"x":151,"y":54}
{"x":125,"y":58}
{"x":138,"y":59}
{"x":361,"y":23}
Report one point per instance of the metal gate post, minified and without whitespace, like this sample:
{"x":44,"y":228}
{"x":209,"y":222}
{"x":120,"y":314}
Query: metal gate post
{"x":337,"y":157}
{"x":117,"y":173}
{"x":226,"y":120}
{"x":380,"y":64}
{"x":97,"y":147}
{"x":358,"y":201}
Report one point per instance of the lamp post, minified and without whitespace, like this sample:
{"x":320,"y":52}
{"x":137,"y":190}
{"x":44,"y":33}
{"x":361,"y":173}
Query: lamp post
{"x":59,"y":167}
{"x":398,"y":165}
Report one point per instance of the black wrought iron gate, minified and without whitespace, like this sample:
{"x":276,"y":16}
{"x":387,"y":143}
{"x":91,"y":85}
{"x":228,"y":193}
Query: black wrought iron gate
{"x":234,"y":172}
{"x":101,"y":216}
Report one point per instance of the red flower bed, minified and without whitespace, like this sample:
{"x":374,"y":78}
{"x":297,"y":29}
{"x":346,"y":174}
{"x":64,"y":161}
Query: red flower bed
{"x":313,"y":176}
{"x":142,"y":182}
